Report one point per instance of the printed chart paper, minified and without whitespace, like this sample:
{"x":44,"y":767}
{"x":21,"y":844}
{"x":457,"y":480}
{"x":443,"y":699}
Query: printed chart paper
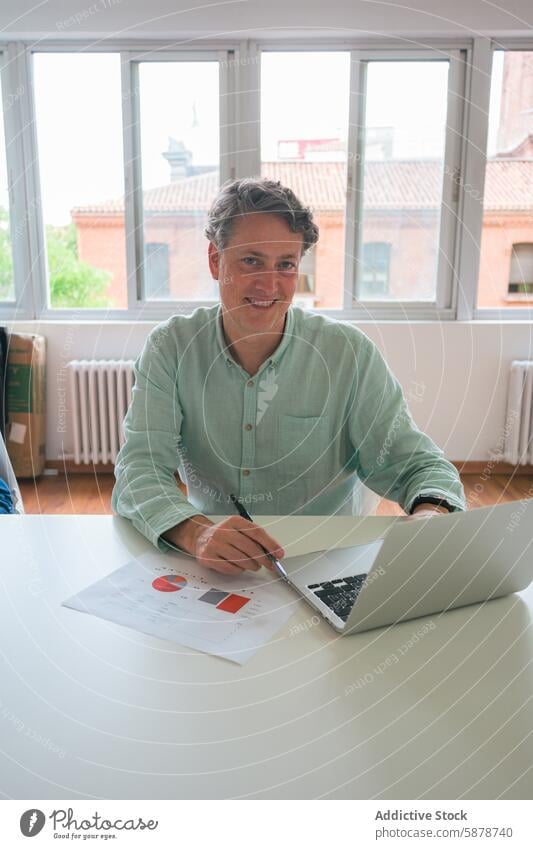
{"x":174,"y":598}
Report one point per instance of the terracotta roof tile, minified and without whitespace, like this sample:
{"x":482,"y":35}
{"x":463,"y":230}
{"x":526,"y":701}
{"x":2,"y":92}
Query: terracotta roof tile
{"x":393,"y":184}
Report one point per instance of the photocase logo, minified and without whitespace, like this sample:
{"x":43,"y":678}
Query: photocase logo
{"x":64,"y":824}
{"x":32,"y":822}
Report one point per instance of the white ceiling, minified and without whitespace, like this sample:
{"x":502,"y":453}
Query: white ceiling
{"x":250,"y":18}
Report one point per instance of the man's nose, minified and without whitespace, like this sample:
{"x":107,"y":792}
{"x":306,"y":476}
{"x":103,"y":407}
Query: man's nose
{"x":269,"y":278}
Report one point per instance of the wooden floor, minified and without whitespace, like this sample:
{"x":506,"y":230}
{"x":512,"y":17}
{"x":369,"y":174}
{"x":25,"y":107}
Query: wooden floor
{"x":86,"y":494}
{"x":91,"y":494}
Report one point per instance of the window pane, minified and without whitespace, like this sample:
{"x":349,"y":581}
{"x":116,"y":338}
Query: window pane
{"x":79,"y":131}
{"x":304,"y":135}
{"x":7,"y":288}
{"x":404,"y":141}
{"x":156,"y":268}
{"x":507,"y":236}
{"x":375,"y":269}
{"x":179,"y":108}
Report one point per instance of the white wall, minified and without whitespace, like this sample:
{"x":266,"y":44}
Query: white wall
{"x":454,"y":373}
{"x":459,"y":369}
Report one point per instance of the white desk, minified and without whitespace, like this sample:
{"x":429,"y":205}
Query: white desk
{"x":92,"y":709}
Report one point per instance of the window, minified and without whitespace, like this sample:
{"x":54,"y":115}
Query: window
{"x":521,"y":274}
{"x":156,"y":270}
{"x":304,"y":131}
{"x":115,"y":155}
{"x":506,"y":263}
{"x":179,"y":136}
{"x":7,"y":287}
{"x":79,"y":133}
{"x":375,"y":272}
{"x":400,"y":181}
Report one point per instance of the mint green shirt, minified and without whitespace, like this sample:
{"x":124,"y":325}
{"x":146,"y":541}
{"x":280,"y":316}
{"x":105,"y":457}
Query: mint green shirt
{"x":322,"y":414}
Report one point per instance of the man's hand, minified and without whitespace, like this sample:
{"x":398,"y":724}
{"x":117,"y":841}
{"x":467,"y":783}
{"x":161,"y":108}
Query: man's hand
{"x":425,"y":511}
{"x":231,"y":547}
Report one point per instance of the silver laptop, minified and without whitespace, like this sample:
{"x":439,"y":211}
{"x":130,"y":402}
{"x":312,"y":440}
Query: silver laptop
{"x":419,"y":567}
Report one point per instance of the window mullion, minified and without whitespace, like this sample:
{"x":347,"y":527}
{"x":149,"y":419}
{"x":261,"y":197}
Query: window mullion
{"x":472,"y":182}
{"x":227,"y":89}
{"x":36,"y":230}
{"x":355,"y":179}
{"x":11,"y":84}
{"x":248,"y":110}
{"x":451,"y":180}
{"x":133,"y":200}
{"x":29,"y":244}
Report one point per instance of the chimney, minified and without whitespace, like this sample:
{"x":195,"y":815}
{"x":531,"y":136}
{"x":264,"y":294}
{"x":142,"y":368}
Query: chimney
{"x":516,"y":111}
{"x":179,"y":159}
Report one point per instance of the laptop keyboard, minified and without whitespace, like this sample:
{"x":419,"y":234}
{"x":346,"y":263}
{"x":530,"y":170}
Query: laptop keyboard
{"x":340,"y":594}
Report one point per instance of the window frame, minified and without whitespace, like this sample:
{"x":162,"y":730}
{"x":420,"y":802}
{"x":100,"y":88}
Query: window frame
{"x":240,"y":155}
{"x":457,"y":52}
{"x":443,"y":307}
{"x":134,"y":213}
{"x":13,"y":79}
{"x":499,"y":314}
{"x":138,"y":308}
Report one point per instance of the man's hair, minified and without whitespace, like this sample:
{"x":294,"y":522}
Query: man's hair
{"x":239,"y":197}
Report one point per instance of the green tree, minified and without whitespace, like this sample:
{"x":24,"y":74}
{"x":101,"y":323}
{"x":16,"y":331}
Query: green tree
{"x":73,"y":283}
{"x":6,"y":261}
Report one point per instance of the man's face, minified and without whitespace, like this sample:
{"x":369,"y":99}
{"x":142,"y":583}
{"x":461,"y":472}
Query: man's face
{"x":260,"y":263}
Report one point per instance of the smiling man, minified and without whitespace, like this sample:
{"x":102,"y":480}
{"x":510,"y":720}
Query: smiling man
{"x":288,"y":410}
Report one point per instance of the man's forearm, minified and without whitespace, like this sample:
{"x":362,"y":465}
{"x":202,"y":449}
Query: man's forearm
{"x":185,"y":534}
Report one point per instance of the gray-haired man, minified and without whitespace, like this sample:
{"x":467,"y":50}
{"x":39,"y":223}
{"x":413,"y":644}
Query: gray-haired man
{"x":287,"y":409}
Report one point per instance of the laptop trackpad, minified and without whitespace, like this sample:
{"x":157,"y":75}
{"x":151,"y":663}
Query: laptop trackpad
{"x":326,"y":565}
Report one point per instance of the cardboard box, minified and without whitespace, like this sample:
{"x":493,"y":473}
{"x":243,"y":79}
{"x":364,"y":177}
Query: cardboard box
{"x":26,"y":404}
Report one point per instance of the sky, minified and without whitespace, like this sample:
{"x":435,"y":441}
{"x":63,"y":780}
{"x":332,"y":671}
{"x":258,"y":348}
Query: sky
{"x":304,"y":95}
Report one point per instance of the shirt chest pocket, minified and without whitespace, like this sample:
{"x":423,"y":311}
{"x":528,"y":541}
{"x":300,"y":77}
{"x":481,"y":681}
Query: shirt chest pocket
{"x":303,"y":445}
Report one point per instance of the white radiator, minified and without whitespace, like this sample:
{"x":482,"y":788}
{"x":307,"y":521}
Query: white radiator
{"x":518,"y":431}
{"x":99,"y":396}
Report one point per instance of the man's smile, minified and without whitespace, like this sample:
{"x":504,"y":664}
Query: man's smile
{"x":256,"y":303}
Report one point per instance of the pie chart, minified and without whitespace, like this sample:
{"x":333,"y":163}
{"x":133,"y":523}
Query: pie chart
{"x":169,"y":583}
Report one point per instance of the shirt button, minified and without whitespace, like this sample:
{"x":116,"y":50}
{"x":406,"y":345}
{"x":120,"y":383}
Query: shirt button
{"x":246,"y":471}
{"x":250,"y":383}
{"x":247,"y":426}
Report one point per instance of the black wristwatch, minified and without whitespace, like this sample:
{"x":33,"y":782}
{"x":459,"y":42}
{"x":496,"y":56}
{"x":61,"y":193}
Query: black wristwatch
{"x":431,"y":499}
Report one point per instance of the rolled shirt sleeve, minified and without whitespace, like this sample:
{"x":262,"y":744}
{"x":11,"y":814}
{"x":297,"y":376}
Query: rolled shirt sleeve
{"x":393,"y":457}
{"x":146,"y":491}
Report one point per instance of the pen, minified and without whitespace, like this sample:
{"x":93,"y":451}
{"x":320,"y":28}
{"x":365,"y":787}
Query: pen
{"x":244,"y":513}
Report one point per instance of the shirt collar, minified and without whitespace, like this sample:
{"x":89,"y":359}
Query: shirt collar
{"x":275,"y":356}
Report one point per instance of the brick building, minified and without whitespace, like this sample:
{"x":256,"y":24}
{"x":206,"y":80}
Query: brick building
{"x":401,"y":218}
{"x":401,"y":224}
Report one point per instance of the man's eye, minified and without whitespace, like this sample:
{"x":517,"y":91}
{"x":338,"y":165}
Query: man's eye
{"x":290,"y":265}
{"x":249,"y":259}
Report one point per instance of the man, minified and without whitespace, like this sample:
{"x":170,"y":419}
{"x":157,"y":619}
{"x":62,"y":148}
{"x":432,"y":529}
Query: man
{"x":6,"y":499}
{"x":286,"y":409}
